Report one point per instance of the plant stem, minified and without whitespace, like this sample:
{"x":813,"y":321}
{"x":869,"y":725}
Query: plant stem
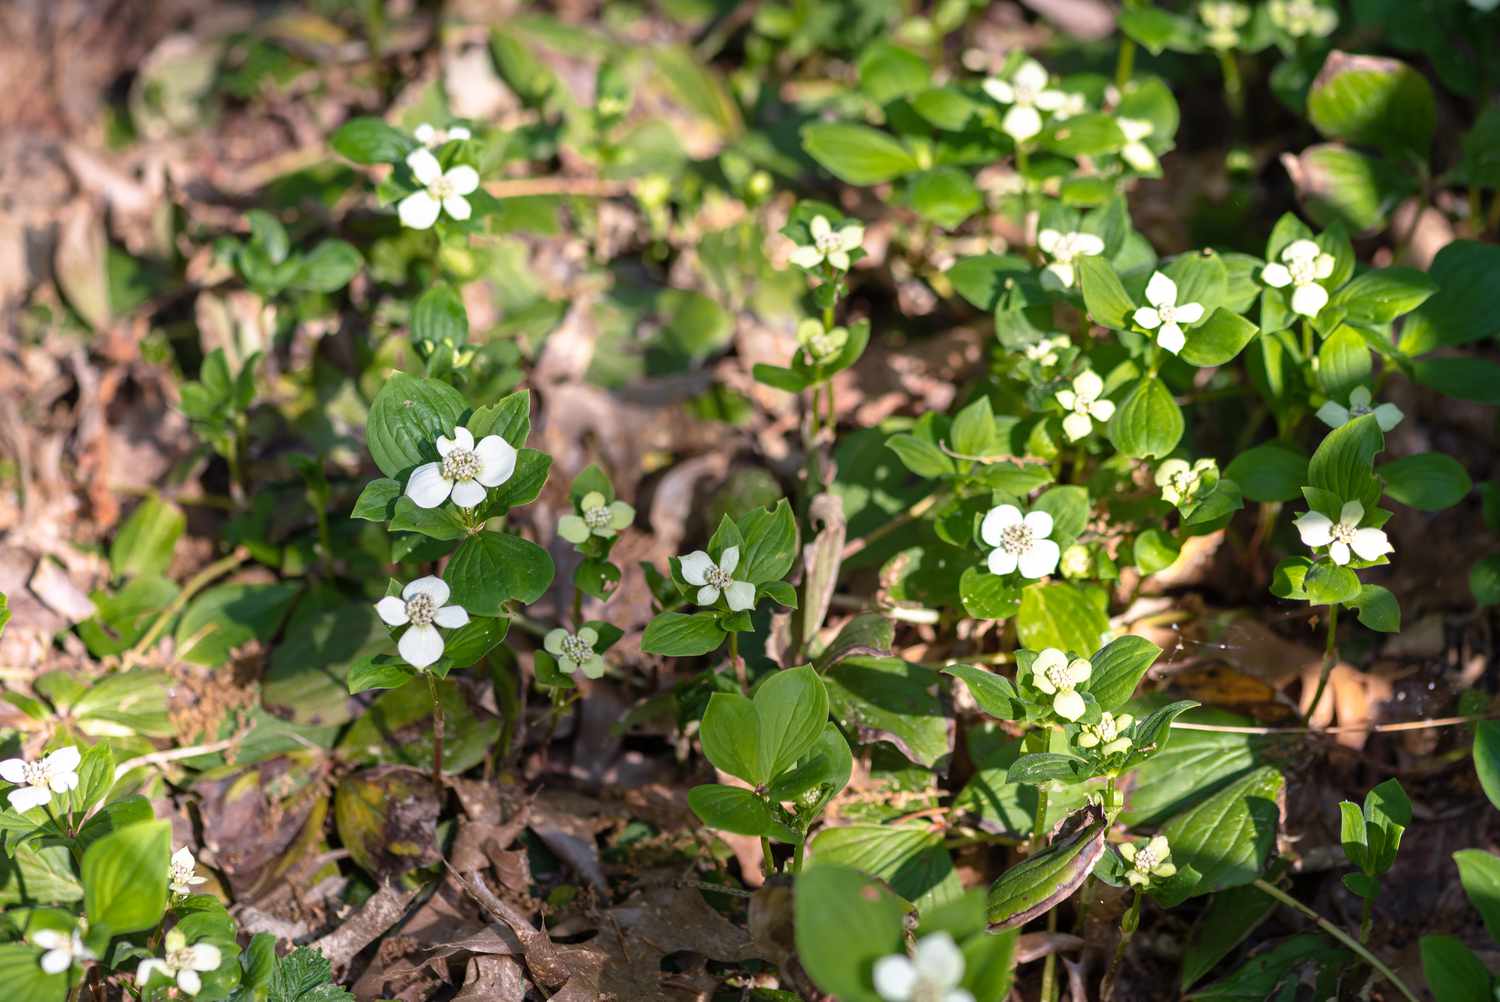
{"x":1234,"y":87}
{"x":1128,"y":924}
{"x":194,"y":585}
{"x":437,"y":732}
{"x":739,"y":666}
{"x":1338,"y":934}
{"x":1125,"y":62}
{"x":916,"y":511}
{"x":1307,"y":341}
{"x":1366,"y":919}
{"x":577,"y":608}
{"x":797,"y":855}
{"x":1330,"y":658}
{"x":1049,"y":965}
{"x":768,"y":861}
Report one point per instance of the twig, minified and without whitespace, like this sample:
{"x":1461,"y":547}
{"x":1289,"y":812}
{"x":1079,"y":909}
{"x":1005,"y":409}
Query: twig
{"x":176,"y":754}
{"x":197,"y":583}
{"x":1338,"y":934}
{"x":916,"y":511}
{"x":1407,"y":725}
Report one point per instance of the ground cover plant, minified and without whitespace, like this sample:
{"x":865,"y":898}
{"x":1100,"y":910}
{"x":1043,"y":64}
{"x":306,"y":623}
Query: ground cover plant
{"x":883,"y":502}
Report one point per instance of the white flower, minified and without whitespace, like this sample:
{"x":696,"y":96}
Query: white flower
{"x":575,"y":652}
{"x":1063,"y":249}
{"x":821,"y":345}
{"x":1020,"y":543}
{"x":442,"y":191}
{"x":829,"y":244}
{"x":432,"y":138}
{"x":64,"y":949}
{"x":1336,"y":415}
{"x":1108,"y":735}
{"x":1072,"y":104}
{"x":1180,"y":482}
{"x":1084,"y":405}
{"x":183,"y":875}
{"x":182,"y":963}
{"x":1317,"y":529}
{"x":1154,"y":859}
{"x":1026,"y":92}
{"x":1484,"y":6}
{"x":1058,"y":677}
{"x":1165,"y":315}
{"x":465,"y":472}
{"x":1223,"y":19}
{"x":599,"y":518}
{"x":37,"y":781}
{"x":931,"y":974}
{"x":1303,"y":265}
{"x":424,"y":605}
{"x":1303,"y":17}
{"x":698,"y":568}
{"x":1045,"y":351}
{"x":1135,"y":152}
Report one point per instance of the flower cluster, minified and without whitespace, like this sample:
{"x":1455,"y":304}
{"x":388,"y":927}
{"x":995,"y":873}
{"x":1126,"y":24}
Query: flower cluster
{"x":575,"y":651}
{"x":1055,"y":675}
{"x":1166,"y":316}
{"x":1084,"y":405}
{"x":1303,"y":266}
{"x":711,"y":579}
{"x":422,"y":608}
{"x":829,"y":245}
{"x":1108,"y":735}
{"x":37,"y":781}
{"x":597,"y":517}
{"x":441,"y":191}
{"x":932,"y":973}
{"x":1028,"y":94}
{"x":1149,"y":861}
{"x":1020,"y":542}
{"x":466,"y":471}
{"x":1318,"y":530}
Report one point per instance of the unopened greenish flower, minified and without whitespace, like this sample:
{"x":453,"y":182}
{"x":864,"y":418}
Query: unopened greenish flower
{"x":596,"y":517}
{"x":1336,"y":415}
{"x":1303,"y":18}
{"x":1223,"y":20}
{"x":1108,"y":735}
{"x":821,"y":344}
{"x":1148,"y":861}
{"x":829,"y":244}
{"x":575,"y":651}
{"x":1180,"y":482}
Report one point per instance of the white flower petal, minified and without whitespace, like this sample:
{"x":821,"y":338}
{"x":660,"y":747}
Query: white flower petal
{"x":695,"y":567}
{"x":1148,"y":318}
{"x":740,"y":595}
{"x":1088,"y":244}
{"x":27,"y":797}
{"x":1360,"y":397}
{"x":1309,"y":300}
{"x":463,"y":438}
{"x":1077,"y":426}
{"x":204,"y":957}
{"x":425,"y":133}
{"x":418,"y":210}
{"x":1351,"y":513}
{"x":1276,"y":275}
{"x":189,"y":981}
{"x":820,"y":227}
{"x":851,"y":236}
{"x":497,"y":460}
{"x":420,"y":646}
{"x":424,"y":166}
{"x":1371,"y":544}
{"x":996,"y":519}
{"x":708,"y":595}
{"x":1041,"y":560}
{"x":469,"y":494}
{"x":1067,"y":398}
{"x":1047,"y":240}
{"x":62,"y":782}
{"x":463,"y":179}
{"x":839,"y":259}
{"x":1388,"y":416}
{"x":1030,"y":75}
{"x":459,"y":132}
{"x":56,"y":961}
{"x":1068,"y":705}
{"x":427,"y":487}
{"x":13,"y":770}
{"x":1333,"y":414}
{"x":1171,"y":338}
{"x":939,"y":960}
{"x":67,"y":759}
{"x":50,"y":939}
{"x":806,"y":257}
{"x":1338,"y":552}
{"x":1190,"y":313}
{"x":1315,"y":528}
{"x":1021,"y":122}
{"x":1040,"y":524}
{"x":895,"y":978}
{"x":1088,"y":385}
{"x":432,"y":586}
{"x":1102,"y":410}
{"x":729,"y":559}
{"x":458,"y":207}
{"x":1161,"y":290}
{"x":150,"y":966}
{"x":1000,"y":90}
{"x":1061,"y":272}
{"x":451,"y":617}
{"x":1001,"y":562}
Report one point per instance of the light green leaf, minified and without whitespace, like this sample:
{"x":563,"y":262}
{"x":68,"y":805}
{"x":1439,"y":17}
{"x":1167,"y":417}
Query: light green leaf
{"x":1427,"y":481}
{"x":857,"y":154}
{"x":125,"y":877}
{"x":1228,"y":837}
{"x":1147,"y":422}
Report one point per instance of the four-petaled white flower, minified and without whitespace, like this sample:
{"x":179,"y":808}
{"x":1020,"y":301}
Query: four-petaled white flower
{"x":1108,"y":735}
{"x":1336,"y":415}
{"x":424,"y":605}
{"x":1028,"y":95}
{"x":829,"y":244}
{"x":1020,"y":542}
{"x":599,"y":518}
{"x":1317,"y":529}
{"x":1057,"y":676}
{"x":182,"y":875}
{"x":1303,"y":17}
{"x":698,"y":568}
{"x":1180,"y":482}
{"x":441,"y":191}
{"x":1153,"y":859}
{"x":1064,"y":249}
{"x":1484,"y":6}
{"x":466,"y":471}
{"x":820,"y":344}
{"x":1045,"y":352}
{"x":182,"y":963}
{"x":1084,"y":406}
{"x":64,"y":949}
{"x":575,"y":651}
{"x":1166,"y":316}
{"x":37,"y":781}
{"x":931,"y":974}
{"x":1303,"y":266}
{"x":432,"y":137}
{"x":1135,"y":152}
{"x":1223,"y":20}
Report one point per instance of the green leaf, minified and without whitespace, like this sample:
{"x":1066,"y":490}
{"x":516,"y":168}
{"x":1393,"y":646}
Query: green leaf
{"x":1343,"y":363}
{"x":1487,"y":758}
{"x":679,"y":634}
{"x":371,"y":141}
{"x":434,"y":523}
{"x":1270,"y":472}
{"x":1228,"y":836}
{"x":438,"y":317}
{"x":844,"y":922}
{"x":1266,"y":974}
{"x":125,"y":877}
{"x":912,"y":859}
{"x":770,"y":544}
{"x":1044,"y":767}
{"x":1108,"y":303}
{"x":1069,"y":507}
{"x":1353,"y":834}
{"x":1461,"y":378}
{"x":1339,"y":185}
{"x":1373,"y":101}
{"x":144,"y":544}
{"x":492,"y":568}
{"x":731,"y":809}
{"x":887,"y":698}
{"x":1479,"y":871}
{"x":1344,"y":464}
{"x":304,"y":975}
{"x":328,"y":267}
{"x":1088,"y":135}
{"x":1453,"y":972}
{"x":1463,"y":308}
{"x":1158,"y":30}
{"x":945,"y":107}
{"x":988,"y":596}
{"x":1118,"y":668}
{"x":1428,"y":481}
{"x":1147,"y":423}
{"x":1218,"y":339}
{"x":406,"y":418}
{"x":730,"y":733}
{"x":888,"y":71}
{"x":1383,"y":294}
{"x":973,"y":430}
{"x":1061,"y":615}
{"x":377,"y":502}
{"x":1039,"y":882}
{"x":1326,"y":583}
{"x":1232,"y":915}
{"x":1378,"y":609}
{"x":1156,"y":550}
{"x":921,"y":456}
{"x":510,"y":419}
{"x":984,"y":279}
{"x":945,"y":195}
{"x":856,"y":154}
{"x":371,"y":673}
{"x":994,"y":693}
{"x":227,"y":616}
{"x":25,"y":981}
{"x":792,"y":707}
{"x":1484,"y":580}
